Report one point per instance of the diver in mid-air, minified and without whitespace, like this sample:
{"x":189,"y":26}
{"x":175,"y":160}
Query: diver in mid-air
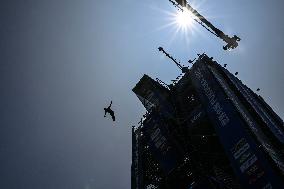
{"x":110,"y":111}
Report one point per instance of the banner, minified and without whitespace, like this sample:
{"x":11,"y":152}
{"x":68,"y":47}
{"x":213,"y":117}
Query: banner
{"x":257,"y":107}
{"x":248,"y":162}
{"x":152,"y":94}
{"x":160,"y":143}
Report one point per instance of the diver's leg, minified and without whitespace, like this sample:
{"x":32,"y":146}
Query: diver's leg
{"x":112,"y":115}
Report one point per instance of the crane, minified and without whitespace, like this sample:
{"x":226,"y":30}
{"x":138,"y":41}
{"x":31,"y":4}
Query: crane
{"x":232,"y":42}
{"x":182,"y":68}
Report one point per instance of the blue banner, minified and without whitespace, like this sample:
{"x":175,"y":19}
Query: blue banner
{"x":160,"y":143}
{"x":153,"y":95}
{"x":248,"y":162}
{"x":264,"y":116}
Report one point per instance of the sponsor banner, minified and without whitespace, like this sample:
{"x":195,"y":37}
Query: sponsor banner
{"x":151,"y":94}
{"x":262,"y":139}
{"x":265,"y":117}
{"x":196,"y":116}
{"x":248,"y":162}
{"x":160,"y":143}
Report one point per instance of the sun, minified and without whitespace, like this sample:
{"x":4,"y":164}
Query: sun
{"x":182,"y":24}
{"x":184,"y":19}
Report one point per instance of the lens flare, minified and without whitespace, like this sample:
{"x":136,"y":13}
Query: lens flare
{"x":184,"y":19}
{"x":181,"y":23}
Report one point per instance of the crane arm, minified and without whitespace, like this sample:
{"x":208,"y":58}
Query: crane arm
{"x":232,"y":42}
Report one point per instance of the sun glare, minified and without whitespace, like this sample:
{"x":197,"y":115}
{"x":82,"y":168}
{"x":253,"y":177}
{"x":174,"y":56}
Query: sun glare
{"x":182,"y":23}
{"x":184,"y":19}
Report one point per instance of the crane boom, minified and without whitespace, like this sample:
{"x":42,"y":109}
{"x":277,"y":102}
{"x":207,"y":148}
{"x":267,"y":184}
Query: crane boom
{"x":232,"y":42}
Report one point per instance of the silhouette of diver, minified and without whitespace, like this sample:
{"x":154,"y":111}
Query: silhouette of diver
{"x":110,"y":111}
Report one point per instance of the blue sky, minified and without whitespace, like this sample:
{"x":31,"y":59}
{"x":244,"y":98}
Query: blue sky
{"x":63,"y":61}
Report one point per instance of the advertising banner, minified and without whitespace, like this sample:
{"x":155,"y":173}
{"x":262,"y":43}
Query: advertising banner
{"x":160,"y":143}
{"x":196,"y":117}
{"x":249,"y":163}
{"x":264,"y":116}
{"x":152,"y":95}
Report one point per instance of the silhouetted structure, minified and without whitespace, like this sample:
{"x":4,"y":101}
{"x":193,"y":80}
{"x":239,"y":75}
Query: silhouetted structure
{"x":207,"y":131}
